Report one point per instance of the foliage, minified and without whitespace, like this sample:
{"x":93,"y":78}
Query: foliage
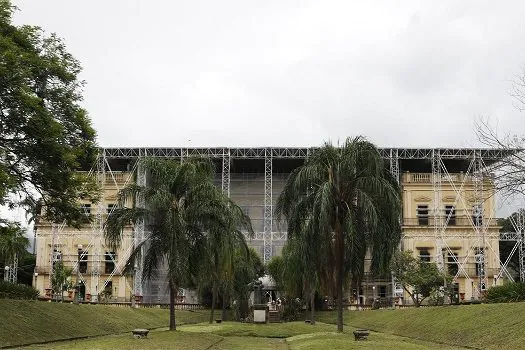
{"x":61,"y":279}
{"x":342,"y":202}
{"x":12,"y":242}
{"x":17,"y":291}
{"x":185,"y":214}
{"x":26,"y":268}
{"x":509,"y":292}
{"x":247,"y":268}
{"x":275,"y":268}
{"x":419,"y":279}
{"x":45,"y":136}
{"x":291,"y":309}
{"x":215,"y":250}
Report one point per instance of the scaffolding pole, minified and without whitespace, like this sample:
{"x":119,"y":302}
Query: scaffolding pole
{"x":139,"y":234}
{"x":436,"y":212}
{"x":268,"y":207}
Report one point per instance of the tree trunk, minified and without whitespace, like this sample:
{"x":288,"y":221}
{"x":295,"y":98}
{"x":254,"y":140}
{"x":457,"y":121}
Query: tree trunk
{"x":173,"y":298}
{"x":213,"y":301}
{"x":312,"y":307}
{"x":224,"y":315}
{"x":340,"y":270}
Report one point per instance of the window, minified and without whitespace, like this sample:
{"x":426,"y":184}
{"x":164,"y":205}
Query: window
{"x":477,"y":215}
{"x":450,"y":215}
{"x":109,"y":259}
{"x":382,"y":291}
{"x":480,"y":262}
{"x":422,"y":215}
{"x":424,"y":255}
{"x":452,"y":264}
{"x":82,"y":260}
{"x":86,"y":208}
{"x":110,"y":208}
{"x":57,"y":256}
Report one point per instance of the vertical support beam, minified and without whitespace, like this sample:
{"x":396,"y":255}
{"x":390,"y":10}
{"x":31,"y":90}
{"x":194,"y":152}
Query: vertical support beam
{"x":13,"y":270}
{"x":520,"y":229}
{"x":98,"y":229}
{"x":225,"y":181}
{"x":394,"y":164}
{"x":437,"y":208}
{"x":394,"y":171}
{"x":479,"y":226}
{"x":268,"y":206}
{"x":54,"y":237}
{"x":138,"y":234}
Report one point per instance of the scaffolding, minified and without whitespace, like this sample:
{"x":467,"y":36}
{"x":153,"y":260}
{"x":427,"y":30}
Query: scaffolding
{"x":267,"y":235}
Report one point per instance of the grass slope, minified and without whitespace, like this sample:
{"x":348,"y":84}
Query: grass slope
{"x":486,"y":326}
{"x":231,"y":336}
{"x":27,"y":322}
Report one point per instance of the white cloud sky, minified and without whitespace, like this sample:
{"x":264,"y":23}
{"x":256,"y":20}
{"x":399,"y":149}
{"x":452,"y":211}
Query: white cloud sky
{"x":291,"y":73}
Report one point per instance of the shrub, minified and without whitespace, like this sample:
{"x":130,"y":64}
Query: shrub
{"x":10,"y":290}
{"x":509,"y":292}
{"x":291,"y":309}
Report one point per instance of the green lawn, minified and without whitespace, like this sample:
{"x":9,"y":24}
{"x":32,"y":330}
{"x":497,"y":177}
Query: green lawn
{"x":27,"y":322}
{"x":475,"y":326}
{"x":230,"y":335}
{"x":484,"y":326}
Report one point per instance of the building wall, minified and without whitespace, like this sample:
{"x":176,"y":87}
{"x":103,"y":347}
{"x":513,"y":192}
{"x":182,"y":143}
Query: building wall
{"x":66,"y":242}
{"x":463,"y":236}
{"x":247,"y":190}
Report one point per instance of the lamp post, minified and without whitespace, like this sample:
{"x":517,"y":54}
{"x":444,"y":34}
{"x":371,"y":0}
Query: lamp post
{"x":36,"y":276}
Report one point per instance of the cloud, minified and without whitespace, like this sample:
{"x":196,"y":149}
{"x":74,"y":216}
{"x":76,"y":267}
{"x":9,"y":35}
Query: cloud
{"x":252,"y":73}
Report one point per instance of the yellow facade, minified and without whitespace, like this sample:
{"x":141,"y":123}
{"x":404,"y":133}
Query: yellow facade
{"x":466,"y":227}
{"x":59,"y":243}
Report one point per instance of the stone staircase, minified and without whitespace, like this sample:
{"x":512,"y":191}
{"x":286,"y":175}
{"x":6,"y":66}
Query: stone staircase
{"x":273,"y":316}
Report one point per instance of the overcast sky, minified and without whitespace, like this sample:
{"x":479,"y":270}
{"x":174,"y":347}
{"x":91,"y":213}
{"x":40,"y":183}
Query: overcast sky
{"x":291,"y":73}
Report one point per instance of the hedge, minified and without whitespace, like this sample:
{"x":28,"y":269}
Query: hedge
{"x":10,"y":290}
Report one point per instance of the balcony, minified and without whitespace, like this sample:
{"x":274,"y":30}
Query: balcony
{"x":119,"y":177}
{"x":445,"y":178}
{"x":458,"y":221}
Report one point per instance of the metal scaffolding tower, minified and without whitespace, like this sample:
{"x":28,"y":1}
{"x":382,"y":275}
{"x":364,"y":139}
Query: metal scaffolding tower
{"x":139,"y":235}
{"x":268,"y":207}
{"x":478,"y":235}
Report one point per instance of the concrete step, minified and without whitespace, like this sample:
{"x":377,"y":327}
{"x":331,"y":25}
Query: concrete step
{"x":273,"y":317}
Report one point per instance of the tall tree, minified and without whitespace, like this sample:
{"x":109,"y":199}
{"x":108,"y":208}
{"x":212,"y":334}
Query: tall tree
{"x":61,"y":279}
{"x":13,"y":243}
{"x":351,"y":201}
{"x":418,"y":278}
{"x":247,"y":268}
{"x":182,"y":205}
{"x":45,"y":135}
{"x":220,"y":243}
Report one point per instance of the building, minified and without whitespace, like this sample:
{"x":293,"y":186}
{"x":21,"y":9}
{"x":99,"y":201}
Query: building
{"x":448,"y":217}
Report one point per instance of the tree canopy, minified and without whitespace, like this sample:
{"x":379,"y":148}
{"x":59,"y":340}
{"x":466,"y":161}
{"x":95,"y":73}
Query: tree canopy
{"x":45,"y":134}
{"x":194,"y":230}
{"x":342,"y":202}
{"x":418,"y":278}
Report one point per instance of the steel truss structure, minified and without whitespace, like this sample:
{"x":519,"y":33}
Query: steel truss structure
{"x":477,"y":159}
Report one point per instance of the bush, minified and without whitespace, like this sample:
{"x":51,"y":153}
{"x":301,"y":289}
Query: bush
{"x":509,"y":292}
{"x":291,"y":309}
{"x":10,"y":290}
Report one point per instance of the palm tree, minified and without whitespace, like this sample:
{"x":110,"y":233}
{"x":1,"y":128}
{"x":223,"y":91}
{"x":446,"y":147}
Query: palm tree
{"x":351,"y":203}
{"x":220,"y":244}
{"x":182,"y":204}
{"x":13,"y":243}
